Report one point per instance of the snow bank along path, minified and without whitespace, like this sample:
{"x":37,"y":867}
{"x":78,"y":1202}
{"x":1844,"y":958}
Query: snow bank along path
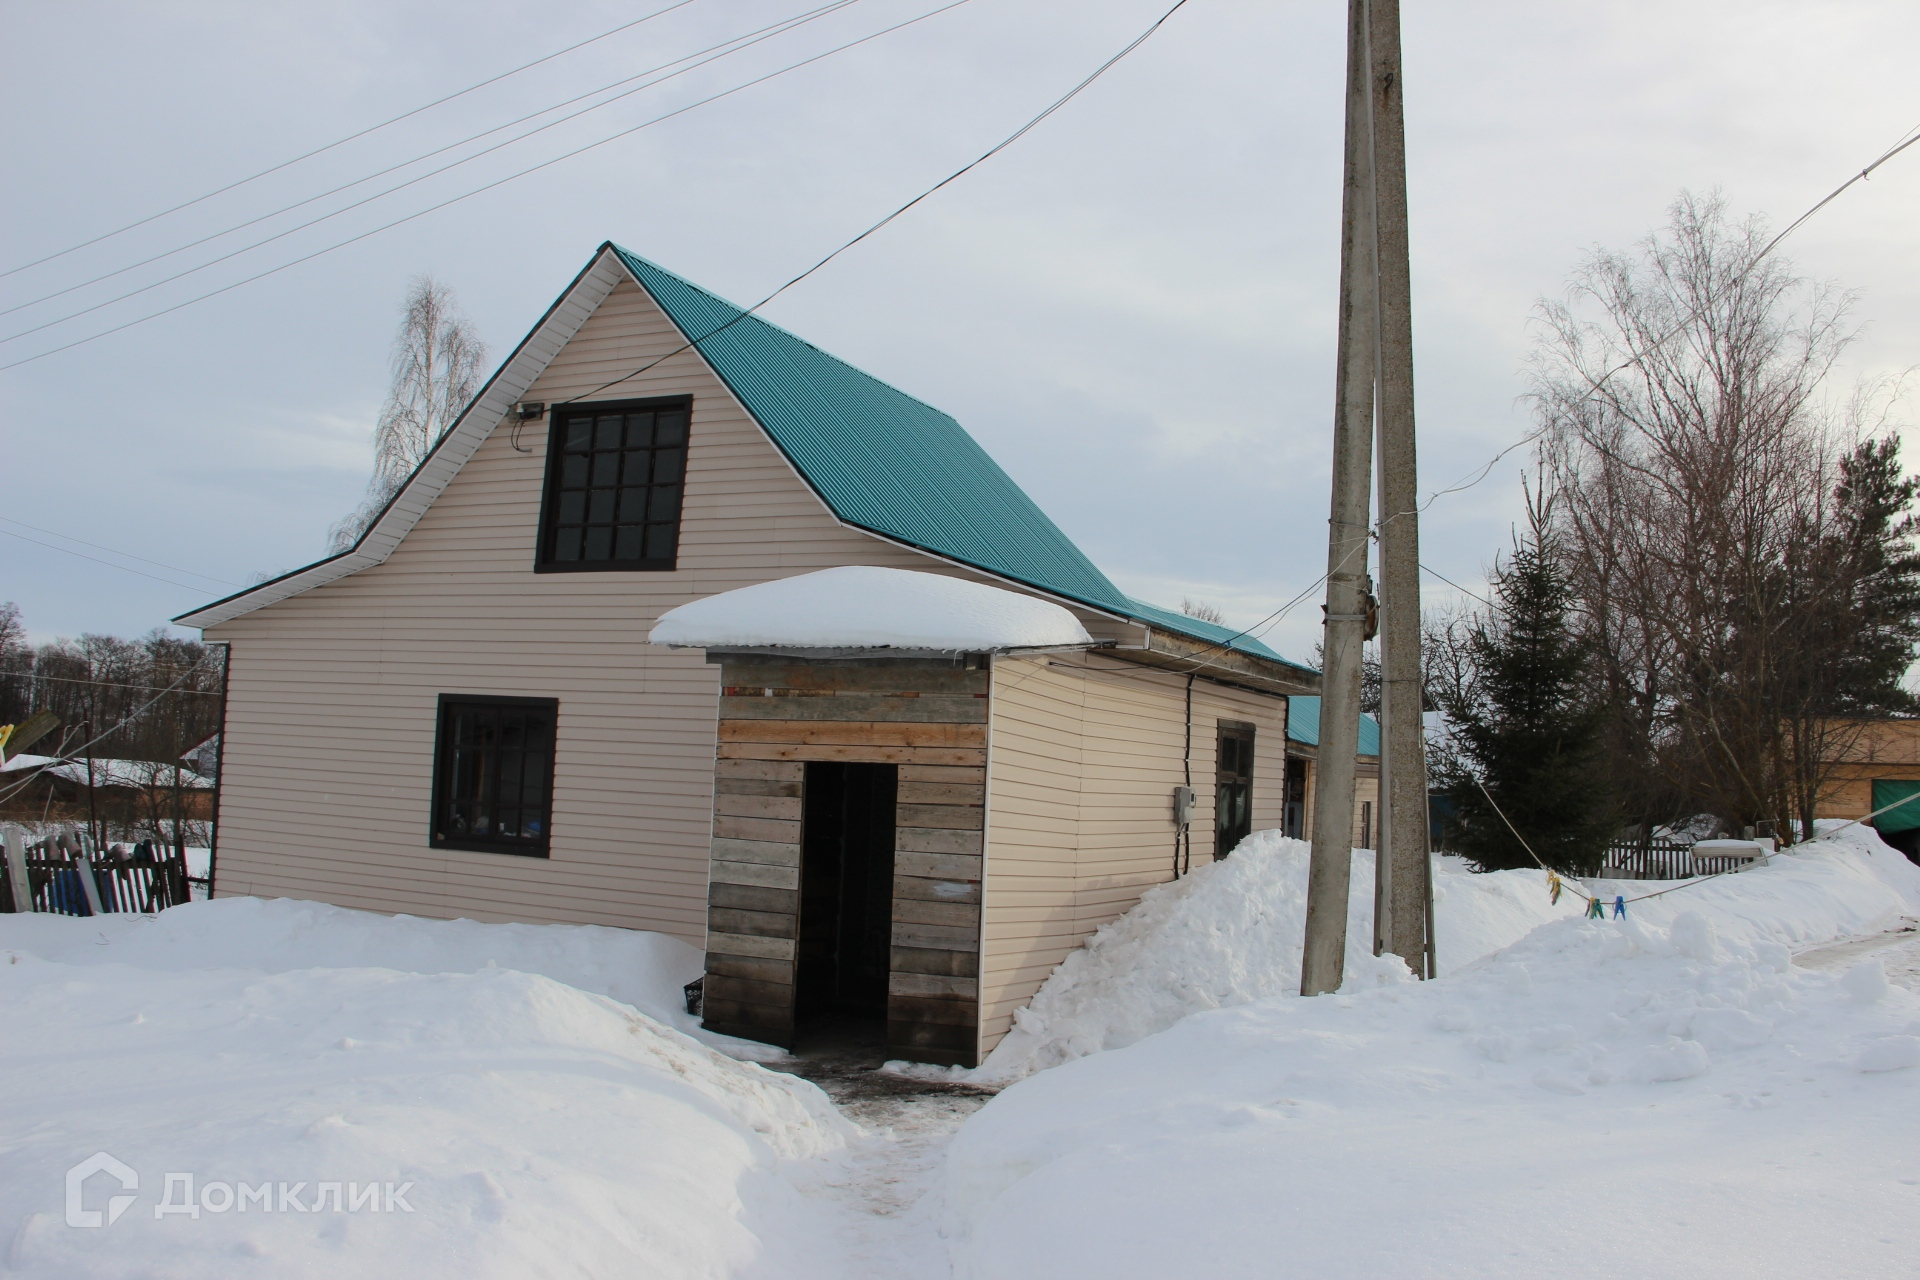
{"x":1662,"y":1096}
{"x":525,"y":1081}
{"x":1231,"y":933}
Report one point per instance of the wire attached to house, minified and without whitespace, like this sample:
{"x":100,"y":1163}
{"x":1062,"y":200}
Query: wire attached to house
{"x":988,"y":154}
{"x":340,"y":142}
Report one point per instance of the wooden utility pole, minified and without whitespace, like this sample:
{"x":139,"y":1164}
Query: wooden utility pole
{"x":1375,"y":366}
{"x":1405,"y":870}
{"x":1348,"y":589}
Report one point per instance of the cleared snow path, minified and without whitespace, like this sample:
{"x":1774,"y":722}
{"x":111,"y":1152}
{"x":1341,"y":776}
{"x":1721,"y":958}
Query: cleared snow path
{"x":1897,"y":949}
{"x":877,"y":1220}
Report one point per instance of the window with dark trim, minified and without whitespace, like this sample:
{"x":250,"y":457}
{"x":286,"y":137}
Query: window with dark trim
{"x":615,"y":472}
{"x":1233,"y":787}
{"x":493,"y":774}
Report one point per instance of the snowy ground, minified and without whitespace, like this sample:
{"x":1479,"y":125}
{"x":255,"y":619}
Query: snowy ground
{"x":1725,"y":1084}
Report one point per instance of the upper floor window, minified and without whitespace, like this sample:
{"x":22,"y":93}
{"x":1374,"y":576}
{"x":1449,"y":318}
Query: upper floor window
{"x":615,"y":472}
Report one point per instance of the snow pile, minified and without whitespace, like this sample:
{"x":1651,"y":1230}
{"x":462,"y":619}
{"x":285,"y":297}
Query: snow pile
{"x":1603,"y":1098}
{"x":531,"y":1127}
{"x":862,"y":607}
{"x":1231,"y":933}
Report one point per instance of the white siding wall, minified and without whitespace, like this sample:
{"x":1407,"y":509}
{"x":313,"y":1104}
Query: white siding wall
{"x":1082,"y":761}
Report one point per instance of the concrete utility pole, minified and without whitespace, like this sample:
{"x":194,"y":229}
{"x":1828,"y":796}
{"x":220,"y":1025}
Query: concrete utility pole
{"x":1403,"y":913}
{"x":1375,"y":355}
{"x":1322,"y":967}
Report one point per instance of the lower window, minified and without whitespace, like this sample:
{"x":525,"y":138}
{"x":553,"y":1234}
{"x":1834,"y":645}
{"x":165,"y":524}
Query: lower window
{"x":1233,"y":787}
{"x":493,"y":774}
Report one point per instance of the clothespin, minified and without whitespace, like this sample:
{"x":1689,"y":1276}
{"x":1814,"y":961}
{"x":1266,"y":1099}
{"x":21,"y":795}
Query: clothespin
{"x":1619,"y":906}
{"x":1596,"y":910}
{"x":1553,"y":888}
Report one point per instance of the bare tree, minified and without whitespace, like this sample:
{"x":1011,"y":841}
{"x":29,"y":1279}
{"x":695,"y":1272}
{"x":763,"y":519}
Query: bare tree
{"x":437,"y":362}
{"x":1202,"y":610}
{"x":1697,"y":465}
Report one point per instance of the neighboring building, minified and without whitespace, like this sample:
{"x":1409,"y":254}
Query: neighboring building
{"x":1880,"y":768}
{"x":1303,"y":755}
{"x":461,"y":715}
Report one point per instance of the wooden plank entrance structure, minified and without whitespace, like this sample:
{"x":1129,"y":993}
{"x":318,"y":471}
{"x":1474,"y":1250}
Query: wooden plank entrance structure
{"x":926,"y":715}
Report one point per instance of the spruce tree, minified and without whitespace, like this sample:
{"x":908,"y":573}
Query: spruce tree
{"x":1877,"y":531}
{"x":1531,"y":729}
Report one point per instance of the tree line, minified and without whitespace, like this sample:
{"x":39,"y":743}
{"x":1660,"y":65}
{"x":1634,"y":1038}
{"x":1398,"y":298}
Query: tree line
{"x":1717,"y":586}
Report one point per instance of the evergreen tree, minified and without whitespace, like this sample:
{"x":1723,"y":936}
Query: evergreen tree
{"x":1877,"y":533}
{"x":1531,"y":731}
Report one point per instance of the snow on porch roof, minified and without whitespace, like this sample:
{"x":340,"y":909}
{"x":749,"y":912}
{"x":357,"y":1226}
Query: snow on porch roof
{"x":862,"y":607}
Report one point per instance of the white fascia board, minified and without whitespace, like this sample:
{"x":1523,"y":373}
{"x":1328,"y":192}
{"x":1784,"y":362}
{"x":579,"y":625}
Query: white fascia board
{"x":486,"y":412}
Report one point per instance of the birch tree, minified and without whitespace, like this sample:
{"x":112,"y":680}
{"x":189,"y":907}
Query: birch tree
{"x":437,"y":363}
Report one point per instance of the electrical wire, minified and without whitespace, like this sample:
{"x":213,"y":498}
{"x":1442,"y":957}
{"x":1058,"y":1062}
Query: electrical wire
{"x":131,"y":716}
{"x":739,"y":43}
{"x":187,"y":586}
{"x":213,"y":293}
{"x":1457,"y":587}
{"x":992,"y":151}
{"x":340,"y":142}
{"x":105,"y":684}
{"x":748,"y":40}
{"x":55,"y":533}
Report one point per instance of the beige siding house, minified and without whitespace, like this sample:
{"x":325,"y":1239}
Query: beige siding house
{"x":462,"y":715}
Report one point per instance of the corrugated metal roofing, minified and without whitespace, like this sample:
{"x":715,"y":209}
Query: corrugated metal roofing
{"x":889,"y":463}
{"x":1303,"y":726}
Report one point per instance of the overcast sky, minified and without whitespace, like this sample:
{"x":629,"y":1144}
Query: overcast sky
{"x":1132,"y":309}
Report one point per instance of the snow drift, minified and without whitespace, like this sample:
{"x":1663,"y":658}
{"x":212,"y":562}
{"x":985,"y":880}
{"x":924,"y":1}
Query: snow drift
{"x":1665,"y":1095}
{"x":863,"y":607}
{"x":1231,"y":933}
{"x":544,"y":1129}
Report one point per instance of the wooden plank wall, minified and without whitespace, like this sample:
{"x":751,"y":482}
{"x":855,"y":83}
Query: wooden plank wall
{"x":928,"y":718}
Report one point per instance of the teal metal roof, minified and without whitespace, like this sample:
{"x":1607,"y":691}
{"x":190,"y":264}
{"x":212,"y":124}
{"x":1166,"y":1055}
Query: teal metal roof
{"x":892,"y":464}
{"x":1303,"y":726}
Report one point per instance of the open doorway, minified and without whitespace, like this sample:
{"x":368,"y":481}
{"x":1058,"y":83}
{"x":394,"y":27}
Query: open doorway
{"x":846,"y":903}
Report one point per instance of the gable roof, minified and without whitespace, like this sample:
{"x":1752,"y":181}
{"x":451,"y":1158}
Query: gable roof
{"x":1303,"y":726}
{"x":877,"y":457}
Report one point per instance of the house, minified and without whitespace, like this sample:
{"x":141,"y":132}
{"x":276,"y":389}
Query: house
{"x":123,"y":793}
{"x":464,"y":714}
{"x":1880,"y":766}
{"x":1303,"y":754}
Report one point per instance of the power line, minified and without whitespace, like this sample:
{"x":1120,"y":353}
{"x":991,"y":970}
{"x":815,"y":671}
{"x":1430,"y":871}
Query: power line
{"x":214,"y":293}
{"x":55,"y":533}
{"x":340,"y":142}
{"x":105,"y":684}
{"x":769,"y":33}
{"x":1457,"y":587}
{"x":185,"y":586}
{"x":740,"y":42}
{"x":988,"y":154}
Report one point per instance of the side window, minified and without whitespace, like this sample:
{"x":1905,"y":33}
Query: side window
{"x":615,"y":472}
{"x":1233,"y":787}
{"x":493,"y":774}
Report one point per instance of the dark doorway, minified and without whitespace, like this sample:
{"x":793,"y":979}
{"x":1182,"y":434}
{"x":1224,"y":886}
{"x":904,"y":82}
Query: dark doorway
{"x":1233,"y":787}
{"x":846,"y":900}
{"x":1296,"y":798}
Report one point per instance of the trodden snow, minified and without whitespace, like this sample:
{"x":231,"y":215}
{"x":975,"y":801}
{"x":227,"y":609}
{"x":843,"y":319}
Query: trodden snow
{"x":1666,"y":1095}
{"x":864,"y":607}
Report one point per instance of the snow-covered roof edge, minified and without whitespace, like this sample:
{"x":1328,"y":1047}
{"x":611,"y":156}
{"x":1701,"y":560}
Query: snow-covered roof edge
{"x":486,"y":411}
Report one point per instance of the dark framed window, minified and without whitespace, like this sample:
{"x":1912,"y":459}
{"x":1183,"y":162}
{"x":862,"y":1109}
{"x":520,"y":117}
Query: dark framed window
{"x":615,"y":474}
{"x":493,"y":774}
{"x":1232,"y":787}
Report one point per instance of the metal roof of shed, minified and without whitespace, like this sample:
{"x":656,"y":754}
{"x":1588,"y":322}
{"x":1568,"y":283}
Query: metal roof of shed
{"x":1303,"y":726}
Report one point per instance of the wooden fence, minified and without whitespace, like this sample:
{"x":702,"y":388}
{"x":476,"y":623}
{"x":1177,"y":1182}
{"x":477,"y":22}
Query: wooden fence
{"x":1660,"y":860}
{"x":58,"y":872}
